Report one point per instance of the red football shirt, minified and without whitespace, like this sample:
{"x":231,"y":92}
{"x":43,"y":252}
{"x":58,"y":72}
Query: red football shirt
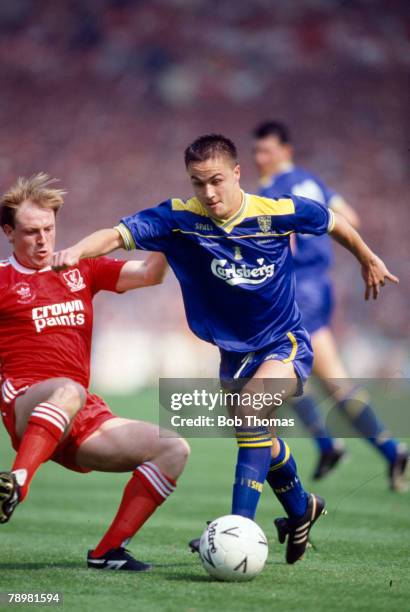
{"x":46,"y":318}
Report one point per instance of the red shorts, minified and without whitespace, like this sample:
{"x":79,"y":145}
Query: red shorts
{"x":93,"y":414}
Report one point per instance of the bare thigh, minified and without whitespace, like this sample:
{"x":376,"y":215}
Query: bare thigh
{"x":40,"y":392}
{"x":120,"y":445}
{"x":274,"y":377}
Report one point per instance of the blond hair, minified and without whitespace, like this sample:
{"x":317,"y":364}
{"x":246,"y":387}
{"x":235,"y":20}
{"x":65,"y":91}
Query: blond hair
{"x":37,"y":189}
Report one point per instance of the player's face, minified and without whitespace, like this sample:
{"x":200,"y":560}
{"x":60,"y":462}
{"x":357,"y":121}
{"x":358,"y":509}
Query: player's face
{"x":216,"y":185}
{"x":269,"y":154}
{"x":33,"y":237}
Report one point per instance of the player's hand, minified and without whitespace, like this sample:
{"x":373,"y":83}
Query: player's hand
{"x":64,"y":259}
{"x":375,"y":273}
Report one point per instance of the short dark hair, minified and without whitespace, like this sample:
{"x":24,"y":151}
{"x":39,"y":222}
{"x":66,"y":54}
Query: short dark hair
{"x":272,"y":128}
{"x":208,"y":146}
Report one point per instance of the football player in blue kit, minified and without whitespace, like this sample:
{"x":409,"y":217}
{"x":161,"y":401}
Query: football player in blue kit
{"x":230,"y":252}
{"x":313,"y":258}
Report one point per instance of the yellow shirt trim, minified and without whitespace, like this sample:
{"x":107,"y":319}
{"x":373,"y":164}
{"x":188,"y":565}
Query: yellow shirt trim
{"x":177,"y":229}
{"x":264,"y":235}
{"x":192,"y":205}
{"x":228,"y":224}
{"x":251,"y":206}
{"x":258,"y":205}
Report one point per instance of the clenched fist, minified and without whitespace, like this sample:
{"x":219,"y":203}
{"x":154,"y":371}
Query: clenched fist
{"x":65,"y":259}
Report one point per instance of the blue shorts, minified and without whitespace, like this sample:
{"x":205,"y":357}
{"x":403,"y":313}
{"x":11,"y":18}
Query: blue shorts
{"x":314,"y":297}
{"x":293,"y":348}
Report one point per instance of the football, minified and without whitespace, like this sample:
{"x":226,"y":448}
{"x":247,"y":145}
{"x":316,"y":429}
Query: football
{"x":233,"y":548}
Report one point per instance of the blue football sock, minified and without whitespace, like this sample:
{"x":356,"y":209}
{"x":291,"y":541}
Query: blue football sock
{"x":361,"y":415}
{"x":284,"y":482}
{"x":310,"y":415}
{"x":254,"y":455}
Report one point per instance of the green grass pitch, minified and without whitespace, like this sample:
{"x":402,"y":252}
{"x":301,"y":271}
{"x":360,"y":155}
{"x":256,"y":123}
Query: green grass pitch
{"x":360,"y":560}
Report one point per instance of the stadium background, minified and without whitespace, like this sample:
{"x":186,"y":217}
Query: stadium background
{"x":105,"y":94}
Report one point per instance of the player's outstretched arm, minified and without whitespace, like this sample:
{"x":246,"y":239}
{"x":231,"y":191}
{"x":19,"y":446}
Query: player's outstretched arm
{"x":135,"y":274}
{"x":339,"y":205}
{"x":100,"y":242}
{"x":374,"y":271}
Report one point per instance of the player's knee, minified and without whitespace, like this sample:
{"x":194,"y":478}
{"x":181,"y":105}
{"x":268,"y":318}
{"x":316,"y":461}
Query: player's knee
{"x":175,"y":455}
{"x":182,"y":451}
{"x":70,"y":396}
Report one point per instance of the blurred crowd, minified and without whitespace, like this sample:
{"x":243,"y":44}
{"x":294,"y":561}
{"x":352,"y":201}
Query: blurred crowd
{"x":105,"y":94}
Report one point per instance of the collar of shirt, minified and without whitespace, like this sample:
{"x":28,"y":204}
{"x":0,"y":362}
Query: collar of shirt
{"x":20,"y":268}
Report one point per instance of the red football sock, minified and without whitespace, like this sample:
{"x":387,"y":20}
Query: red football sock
{"x":44,"y":431}
{"x":147,"y":489}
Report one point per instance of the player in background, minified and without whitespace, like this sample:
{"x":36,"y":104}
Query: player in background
{"x":231,"y":253}
{"x":313,"y":257}
{"x":45,"y":343}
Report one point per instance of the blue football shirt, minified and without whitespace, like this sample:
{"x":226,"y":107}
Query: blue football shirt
{"x":236,"y":276}
{"x":313,"y":255}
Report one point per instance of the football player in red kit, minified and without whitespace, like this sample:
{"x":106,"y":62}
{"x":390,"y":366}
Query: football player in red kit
{"x":45,"y":342}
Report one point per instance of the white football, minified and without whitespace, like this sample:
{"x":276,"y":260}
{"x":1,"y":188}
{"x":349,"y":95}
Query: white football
{"x":233,"y":548}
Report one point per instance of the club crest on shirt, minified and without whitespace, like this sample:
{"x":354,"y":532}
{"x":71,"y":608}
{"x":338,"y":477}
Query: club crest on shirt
{"x":265,"y":223}
{"x":74,"y":280}
{"x":24,"y":292}
{"x":237,"y":253}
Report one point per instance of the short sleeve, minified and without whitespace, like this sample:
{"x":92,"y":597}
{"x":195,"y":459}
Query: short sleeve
{"x":104,"y":273}
{"x":309,"y":217}
{"x":149,"y":229}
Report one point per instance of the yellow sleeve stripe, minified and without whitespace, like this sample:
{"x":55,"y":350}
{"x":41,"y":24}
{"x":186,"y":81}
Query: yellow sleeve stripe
{"x":294,"y":348}
{"x":284,"y":460}
{"x":126,"y":236}
{"x":332,"y":221}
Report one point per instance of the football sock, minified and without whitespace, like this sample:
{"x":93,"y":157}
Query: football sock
{"x":147,"y":489}
{"x":310,"y":415}
{"x":284,"y":482}
{"x":44,"y":431}
{"x":252,"y":466}
{"x":361,"y":415}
